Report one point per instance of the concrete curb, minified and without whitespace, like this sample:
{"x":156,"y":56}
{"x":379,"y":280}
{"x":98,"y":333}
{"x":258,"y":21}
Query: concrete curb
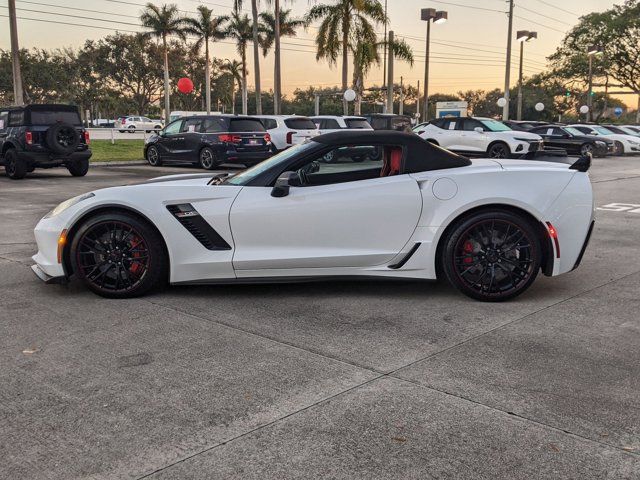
{"x":118,"y":164}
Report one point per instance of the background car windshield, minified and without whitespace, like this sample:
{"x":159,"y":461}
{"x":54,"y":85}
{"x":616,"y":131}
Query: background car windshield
{"x":628,"y":131}
{"x":495,"y":126}
{"x":357,"y":123}
{"x":246,"y":176}
{"x":300,"y":123}
{"x":602,"y":130}
{"x":50,"y":117}
{"x":573,"y":131}
{"x":246,"y":125}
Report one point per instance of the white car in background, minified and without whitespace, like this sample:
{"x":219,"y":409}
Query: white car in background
{"x":478,"y":135}
{"x":335,"y":123}
{"x":624,"y":144}
{"x":288,"y":130}
{"x":136,"y":123}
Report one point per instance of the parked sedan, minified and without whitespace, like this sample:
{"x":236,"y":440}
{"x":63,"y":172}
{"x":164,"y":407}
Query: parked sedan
{"x":624,"y":144}
{"x":210,"y":141}
{"x":574,"y":141}
{"x":133,"y":123}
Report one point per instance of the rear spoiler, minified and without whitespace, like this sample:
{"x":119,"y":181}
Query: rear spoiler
{"x":560,"y":156}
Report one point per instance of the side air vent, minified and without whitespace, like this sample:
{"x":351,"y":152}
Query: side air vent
{"x":190,"y":219}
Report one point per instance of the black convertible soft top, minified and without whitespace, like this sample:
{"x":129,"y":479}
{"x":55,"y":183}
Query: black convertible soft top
{"x":420,"y":154}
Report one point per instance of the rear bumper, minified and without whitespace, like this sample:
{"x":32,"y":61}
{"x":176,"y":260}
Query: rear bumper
{"x":246,"y":158}
{"x":52,"y":159}
{"x":585,"y":245}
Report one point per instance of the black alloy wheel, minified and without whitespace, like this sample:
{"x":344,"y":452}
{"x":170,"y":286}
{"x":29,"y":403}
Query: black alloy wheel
{"x":153,"y":156}
{"x":619,"y":148}
{"x":14,"y":168}
{"x":492,"y":256}
{"x":586,"y":149}
{"x":498,"y":150}
{"x":208,"y":159}
{"x":118,"y":255}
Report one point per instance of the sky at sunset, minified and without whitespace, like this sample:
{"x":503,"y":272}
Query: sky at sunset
{"x":468,"y":51}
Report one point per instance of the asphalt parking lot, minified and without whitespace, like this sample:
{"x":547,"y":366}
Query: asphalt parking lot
{"x":321,"y":380}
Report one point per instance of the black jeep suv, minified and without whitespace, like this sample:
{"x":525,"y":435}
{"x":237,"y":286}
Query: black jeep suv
{"x":43,"y":136}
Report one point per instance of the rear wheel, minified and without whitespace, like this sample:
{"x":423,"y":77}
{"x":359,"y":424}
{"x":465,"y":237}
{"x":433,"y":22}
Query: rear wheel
{"x":492,"y":256}
{"x":586,"y":149}
{"x":118,"y":255}
{"x":153,"y":156}
{"x":79,"y":168}
{"x":498,"y":150}
{"x":208,"y":159}
{"x":619,"y":148}
{"x":15,"y":168}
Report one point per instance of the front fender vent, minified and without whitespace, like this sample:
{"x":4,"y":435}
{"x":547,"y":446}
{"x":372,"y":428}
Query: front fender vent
{"x":197,"y":226}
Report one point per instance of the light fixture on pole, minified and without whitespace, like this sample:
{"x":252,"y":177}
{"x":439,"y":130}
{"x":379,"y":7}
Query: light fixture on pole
{"x":427,"y":15}
{"x":591,"y":52}
{"x":522,"y":36}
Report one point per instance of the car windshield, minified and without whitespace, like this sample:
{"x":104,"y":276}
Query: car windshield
{"x":357,"y":123}
{"x":249,"y":174}
{"x":495,"y":126}
{"x":573,"y":131}
{"x":602,"y":130}
{"x":629,"y":131}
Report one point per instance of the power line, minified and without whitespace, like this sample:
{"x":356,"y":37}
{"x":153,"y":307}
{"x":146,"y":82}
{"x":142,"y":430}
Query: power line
{"x":469,"y":6}
{"x":539,"y":24}
{"x":558,"y":8}
{"x":543,"y":15}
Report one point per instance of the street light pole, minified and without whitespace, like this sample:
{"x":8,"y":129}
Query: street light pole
{"x":591,"y":51}
{"x":428,"y":14}
{"x":390,"y":76}
{"x":507,"y":73}
{"x":522,"y":36}
{"x":18,"y":96}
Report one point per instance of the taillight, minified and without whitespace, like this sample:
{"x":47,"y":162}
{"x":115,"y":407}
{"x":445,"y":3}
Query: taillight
{"x":267,"y":138}
{"x":124,"y":120}
{"x":290,"y":136}
{"x":28,"y":138}
{"x":228,"y":138}
{"x":87,"y":140}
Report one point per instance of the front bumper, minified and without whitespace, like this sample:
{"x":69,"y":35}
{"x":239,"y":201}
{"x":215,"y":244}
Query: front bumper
{"x":42,"y":275}
{"x":47,"y":233}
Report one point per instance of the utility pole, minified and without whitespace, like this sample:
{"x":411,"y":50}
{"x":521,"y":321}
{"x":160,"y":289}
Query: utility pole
{"x":277,"y":84}
{"x":390,"y":77}
{"x":418,"y":103}
{"x":401,"y":107}
{"x":18,"y":96}
{"x":507,"y":73}
{"x":384,"y":58}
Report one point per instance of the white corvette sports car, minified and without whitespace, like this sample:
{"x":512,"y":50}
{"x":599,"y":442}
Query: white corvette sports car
{"x":388,"y":205}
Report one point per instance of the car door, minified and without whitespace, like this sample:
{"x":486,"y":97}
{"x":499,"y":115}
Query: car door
{"x":189,"y":143}
{"x":471,"y":140}
{"x":346,"y":223}
{"x":170,"y":139}
{"x":449,"y":136}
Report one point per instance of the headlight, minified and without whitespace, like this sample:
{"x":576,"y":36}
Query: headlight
{"x":635,"y":144}
{"x":526,"y":139}
{"x":68,"y":203}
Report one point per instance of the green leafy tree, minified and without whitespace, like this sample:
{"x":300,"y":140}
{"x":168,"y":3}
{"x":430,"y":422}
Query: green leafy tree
{"x":240,"y":29}
{"x":162,"y":22}
{"x":206,"y":28}
{"x":236,"y":70}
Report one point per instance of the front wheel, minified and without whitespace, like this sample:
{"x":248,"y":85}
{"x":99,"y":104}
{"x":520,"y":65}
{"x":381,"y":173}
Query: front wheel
{"x":587,"y":149}
{"x":492,"y":256}
{"x":15,"y":168}
{"x":79,"y":168}
{"x":117,"y":255}
{"x":498,"y":150}
{"x":619,"y":148}
{"x":153,"y":157}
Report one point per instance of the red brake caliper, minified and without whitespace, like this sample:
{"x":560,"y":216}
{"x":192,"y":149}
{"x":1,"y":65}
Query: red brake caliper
{"x":467,"y":248}
{"x":135,"y":266}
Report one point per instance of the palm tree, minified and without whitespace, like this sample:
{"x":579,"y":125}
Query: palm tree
{"x":241,"y":30}
{"x":339,"y":23}
{"x":366,"y":53}
{"x":162,"y":22}
{"x":206,"y":28}
{"x":255,"y":35}
{"x":235,"y":69}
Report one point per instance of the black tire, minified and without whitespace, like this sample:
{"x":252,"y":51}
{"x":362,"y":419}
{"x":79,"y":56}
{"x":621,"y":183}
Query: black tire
{"x":62,"y":138}
{"x":131,"y":129}
{"x":153,"y":156}
{"x":118,"y":255}
{"x":122,"y":131}
{"x":329,"y":157}
{"x":587,"y":148}
{"x":157,"y":129}
{"x":79,"y":168}
{"x":498,"y":150}
{"x":208,"y":159}
{"x":15,"y":168}
{"x":498,"y":242}
{"x":619,"y":148}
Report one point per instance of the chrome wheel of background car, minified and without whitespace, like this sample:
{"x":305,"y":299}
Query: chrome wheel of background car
{"x":153,"y":157}
{"x":329,"y":157}
{"x":493,"y":256}
{"x":498,"y":150}
{"x":586,"y":149}
{"x":112,"y":256}
{"x":619,"y":148}
{"x":208,"y":159}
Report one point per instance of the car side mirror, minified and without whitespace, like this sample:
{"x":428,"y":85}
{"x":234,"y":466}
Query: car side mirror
{"x":284,"y":182}
{"x":479,"y":129}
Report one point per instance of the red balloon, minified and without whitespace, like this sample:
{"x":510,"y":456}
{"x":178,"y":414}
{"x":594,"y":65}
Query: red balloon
{"x":185,"y":85}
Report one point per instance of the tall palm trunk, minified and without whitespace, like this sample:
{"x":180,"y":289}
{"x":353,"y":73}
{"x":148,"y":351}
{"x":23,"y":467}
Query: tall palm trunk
{"x":167,"y":106}
{"x":345,"y":61}
{"x":207,"y":75}
{"x":245,"y":107}
{"x":256,"y":56}
{"x":277,"y":84}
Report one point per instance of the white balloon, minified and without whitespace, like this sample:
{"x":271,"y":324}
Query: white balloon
{"x":502,"y":102}
{"x":539,"y":106}
{"x":584,"y":109}
{"x":350,"y":95}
